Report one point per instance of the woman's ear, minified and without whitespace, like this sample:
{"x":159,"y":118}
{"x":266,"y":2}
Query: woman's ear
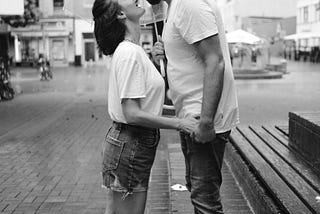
{"x":121,"y":15}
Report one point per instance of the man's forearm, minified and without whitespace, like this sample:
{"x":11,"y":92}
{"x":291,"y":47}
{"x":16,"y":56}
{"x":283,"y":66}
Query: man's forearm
{"x":212,"y":90}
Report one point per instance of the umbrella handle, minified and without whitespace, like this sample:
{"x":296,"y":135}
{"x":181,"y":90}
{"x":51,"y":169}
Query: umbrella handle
{"x":162,"y":70}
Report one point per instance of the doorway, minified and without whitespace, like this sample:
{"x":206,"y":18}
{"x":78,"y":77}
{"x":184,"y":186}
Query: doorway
{"x":89,"y":51}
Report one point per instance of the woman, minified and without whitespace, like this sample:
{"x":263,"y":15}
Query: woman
{"x":135,"y":99}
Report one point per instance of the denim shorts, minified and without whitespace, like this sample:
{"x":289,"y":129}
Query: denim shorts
{"x":128,"y":155}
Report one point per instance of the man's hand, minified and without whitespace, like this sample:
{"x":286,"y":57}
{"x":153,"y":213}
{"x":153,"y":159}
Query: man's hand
{"x":158,"y":51}
{"x":204,"y":133}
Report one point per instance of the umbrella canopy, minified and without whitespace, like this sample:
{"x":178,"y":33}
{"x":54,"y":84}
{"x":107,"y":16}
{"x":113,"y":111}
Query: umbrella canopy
{"x":154,"y":13}
{"x":241,"y":36}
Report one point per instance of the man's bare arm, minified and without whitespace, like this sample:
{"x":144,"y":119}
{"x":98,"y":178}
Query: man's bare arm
{"x":210,"y":51}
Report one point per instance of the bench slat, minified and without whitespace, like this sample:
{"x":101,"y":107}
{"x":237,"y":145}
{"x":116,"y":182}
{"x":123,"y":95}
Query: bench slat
{"x":274,"y":132}
{"x":280,"y":190}
{"x":284,"y":130}
{"x":294,"y":159}
{"x":301,"y":188}
{"x":278,"y":134}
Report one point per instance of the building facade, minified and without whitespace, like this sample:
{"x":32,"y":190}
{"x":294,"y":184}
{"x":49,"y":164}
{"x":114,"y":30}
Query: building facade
{"x":308,"y":24}
{"x":265,"y":18}
{"x":64,"y":35}
{"x":52,"y":36}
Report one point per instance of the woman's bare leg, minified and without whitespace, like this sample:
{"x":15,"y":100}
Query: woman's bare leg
{"x":110,"y":203}
{"x":132,"y":204}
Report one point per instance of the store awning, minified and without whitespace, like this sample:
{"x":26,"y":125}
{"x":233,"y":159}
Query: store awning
{"x":306,"y":35}
{"x":241,"y":36}
{"x":40,"y":33}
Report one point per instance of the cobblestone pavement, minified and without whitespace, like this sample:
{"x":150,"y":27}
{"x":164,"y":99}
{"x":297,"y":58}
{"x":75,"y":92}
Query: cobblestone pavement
{"x":50,"y":158}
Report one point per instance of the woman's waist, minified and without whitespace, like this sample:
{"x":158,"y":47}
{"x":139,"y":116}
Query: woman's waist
{"x":137,"y":129}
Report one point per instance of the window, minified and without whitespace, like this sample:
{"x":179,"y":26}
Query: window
{"x":58,"y":4}
{"x":300,"y":15}
{"x":305,"y":14}
{"x":317,"y":6}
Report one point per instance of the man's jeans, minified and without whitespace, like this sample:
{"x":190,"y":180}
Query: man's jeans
{"x":203,"y":172}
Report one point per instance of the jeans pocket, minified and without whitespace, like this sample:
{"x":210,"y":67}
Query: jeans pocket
{"x":112,"y":153}
{"x":224,"y":137}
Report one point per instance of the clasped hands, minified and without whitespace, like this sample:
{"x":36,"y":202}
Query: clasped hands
{"x":201,"y":133}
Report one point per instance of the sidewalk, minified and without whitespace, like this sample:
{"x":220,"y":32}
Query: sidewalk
{"x":50,"y":146}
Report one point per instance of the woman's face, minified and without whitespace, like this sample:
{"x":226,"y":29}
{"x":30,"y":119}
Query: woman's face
{"x":131,"y":9}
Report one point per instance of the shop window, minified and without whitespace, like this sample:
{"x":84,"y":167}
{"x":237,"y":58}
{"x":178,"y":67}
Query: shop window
{"x":305,"y":14}
{"x":88,"y":35}
{"x":317,"y":6}
{"x":58,"y":4}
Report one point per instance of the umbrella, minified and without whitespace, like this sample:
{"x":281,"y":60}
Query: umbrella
{"x":241,"y":36}
{"x":154,"y":14}
{"x":72,"y":7}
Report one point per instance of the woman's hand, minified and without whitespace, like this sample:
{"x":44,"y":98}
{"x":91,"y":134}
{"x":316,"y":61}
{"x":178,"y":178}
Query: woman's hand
{"x":188,"y":125}
{"x":158,"y":51}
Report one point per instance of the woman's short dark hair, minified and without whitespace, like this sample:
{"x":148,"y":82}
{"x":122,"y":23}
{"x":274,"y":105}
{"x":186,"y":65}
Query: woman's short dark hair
{"x":108,"y":29}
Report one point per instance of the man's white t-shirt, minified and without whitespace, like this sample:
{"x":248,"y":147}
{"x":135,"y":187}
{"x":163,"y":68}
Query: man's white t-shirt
{"x":133,"y":76}
{"x":190,"y":21}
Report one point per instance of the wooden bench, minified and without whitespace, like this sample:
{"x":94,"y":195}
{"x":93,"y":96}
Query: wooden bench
{"x":275,"y":177}
{"x":304,"y":135}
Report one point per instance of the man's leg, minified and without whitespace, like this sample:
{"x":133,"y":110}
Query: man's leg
{"x":203,"y":172}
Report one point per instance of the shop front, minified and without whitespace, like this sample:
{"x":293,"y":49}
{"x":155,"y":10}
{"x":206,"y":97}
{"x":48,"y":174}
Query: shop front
{"x":51,"y":38}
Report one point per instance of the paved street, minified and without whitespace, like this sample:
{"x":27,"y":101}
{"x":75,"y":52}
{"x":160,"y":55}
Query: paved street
{"x":51,"y":135}
{"x":50,"y":145}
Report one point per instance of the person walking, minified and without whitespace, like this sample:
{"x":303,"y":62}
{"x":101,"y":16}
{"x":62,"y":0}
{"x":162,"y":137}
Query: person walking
{"x":202,"y":86}
{"x":135,"y":100}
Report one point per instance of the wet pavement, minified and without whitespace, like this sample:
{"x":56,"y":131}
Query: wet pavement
{"x":51,"y":135}
{"x":65,"y":79}
{"x":269,"y":101}
{"x":264,"y":101}
{"x":50,"y":149}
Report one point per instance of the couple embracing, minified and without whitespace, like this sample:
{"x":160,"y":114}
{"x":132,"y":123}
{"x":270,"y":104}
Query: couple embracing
{"x":202,"y":89}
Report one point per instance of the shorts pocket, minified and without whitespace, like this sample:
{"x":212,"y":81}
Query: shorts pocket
{"x":112,"y":153}
{"x":148,"y":141}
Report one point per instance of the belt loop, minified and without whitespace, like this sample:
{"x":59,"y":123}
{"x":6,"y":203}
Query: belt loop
{"x":117,"y":128}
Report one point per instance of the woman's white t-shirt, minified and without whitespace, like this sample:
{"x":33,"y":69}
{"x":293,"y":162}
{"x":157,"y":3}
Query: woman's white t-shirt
{"x":133,"y":76}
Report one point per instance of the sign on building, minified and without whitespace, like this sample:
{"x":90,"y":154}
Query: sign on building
{"x":12,"y":7}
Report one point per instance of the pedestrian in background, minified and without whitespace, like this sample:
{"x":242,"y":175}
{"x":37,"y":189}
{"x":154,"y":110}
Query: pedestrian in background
{"x":202,"y":86}
{"x":135,"y":100}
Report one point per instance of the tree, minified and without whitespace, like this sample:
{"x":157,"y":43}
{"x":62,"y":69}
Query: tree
{"x":31,"y":15}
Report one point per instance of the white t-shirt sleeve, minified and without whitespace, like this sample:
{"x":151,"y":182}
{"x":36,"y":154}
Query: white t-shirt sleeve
{"x":195,"y":21}
{"x":131,"y":79}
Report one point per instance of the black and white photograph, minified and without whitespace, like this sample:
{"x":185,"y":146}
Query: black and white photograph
{"x":159,"y":106}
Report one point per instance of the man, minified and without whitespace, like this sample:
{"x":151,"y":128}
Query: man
{"x":201,"y":85}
